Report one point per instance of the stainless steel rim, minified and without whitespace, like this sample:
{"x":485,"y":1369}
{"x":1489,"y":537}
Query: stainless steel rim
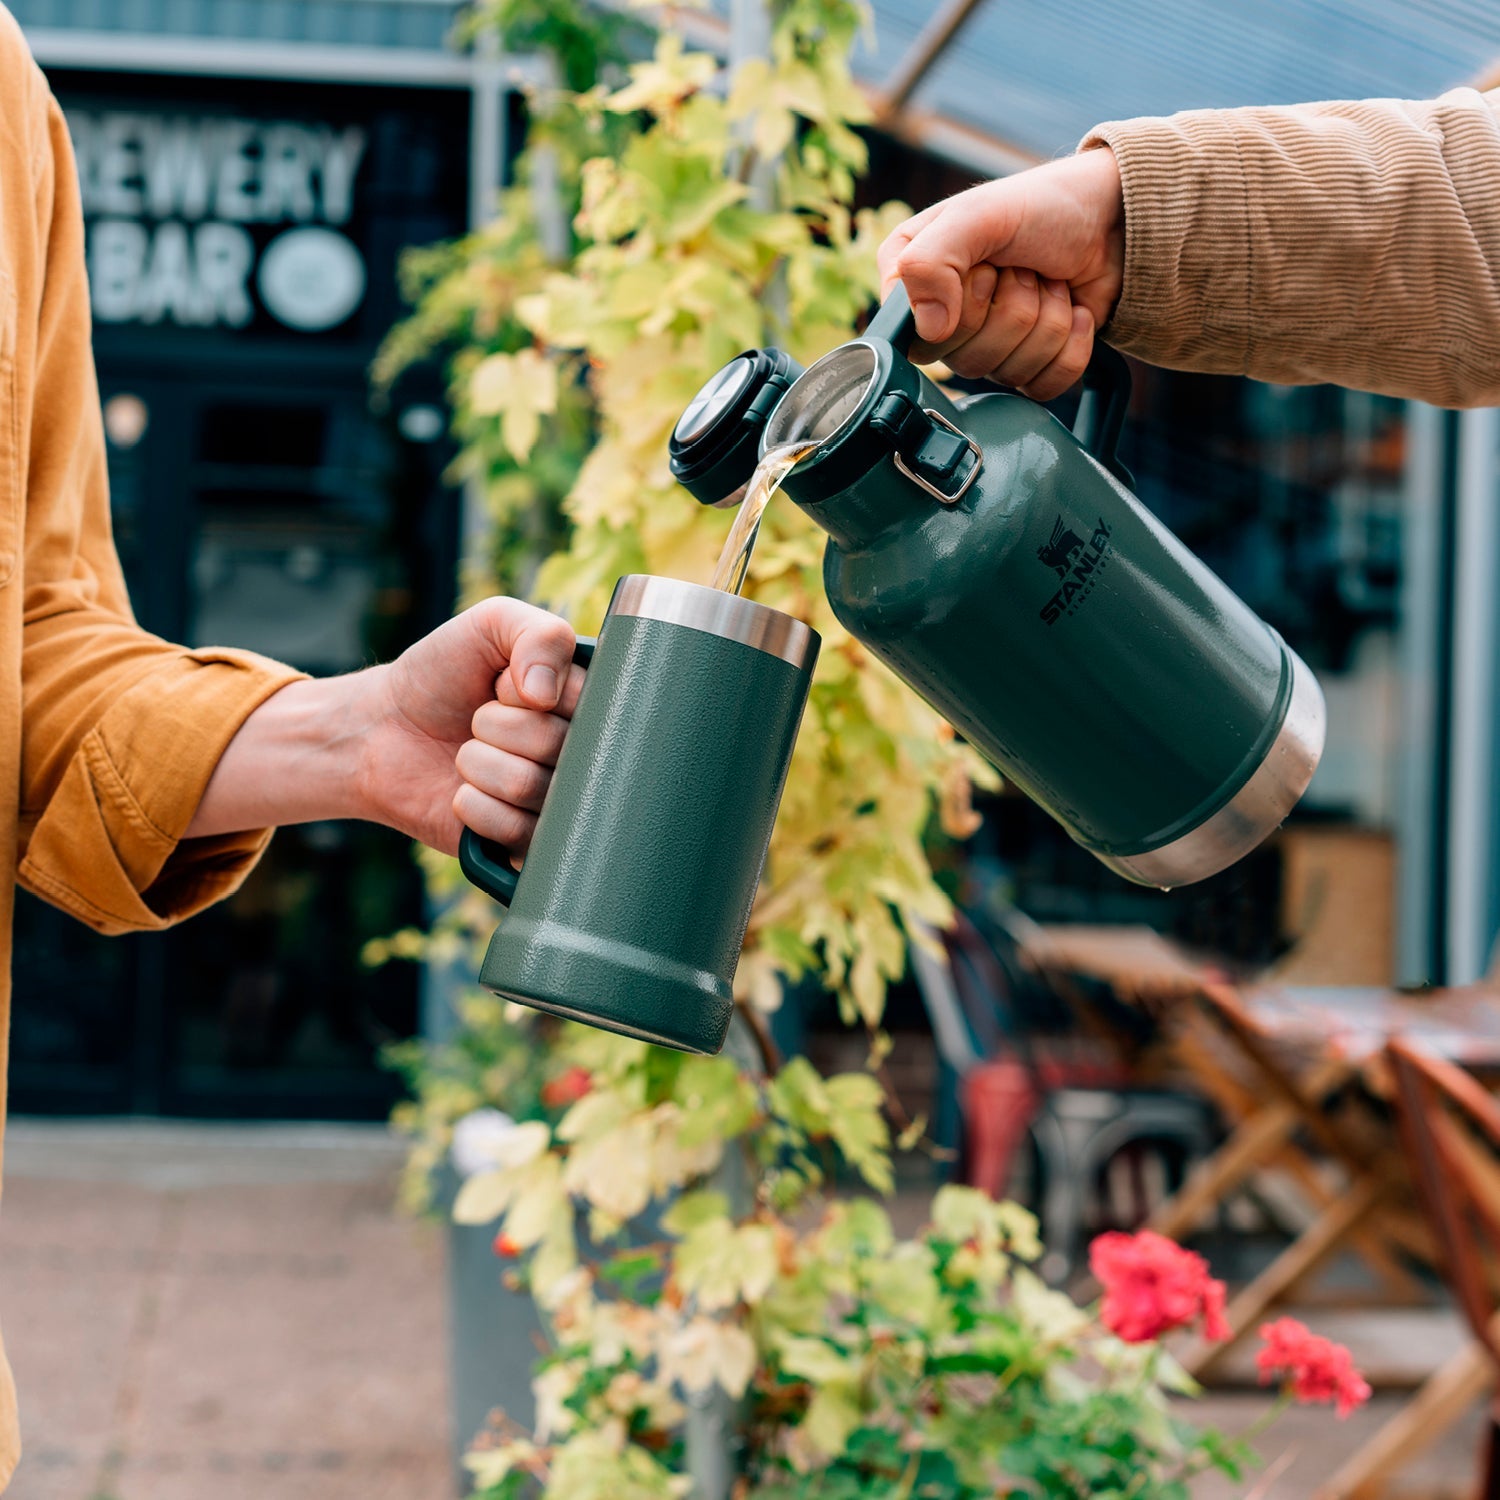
{"x":825,"y":397}
{"x":717,"y":613}
{"x":1256,"y":811}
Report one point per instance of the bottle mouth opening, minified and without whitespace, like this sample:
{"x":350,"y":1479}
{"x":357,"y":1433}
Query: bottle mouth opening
{"x":824,"y":400}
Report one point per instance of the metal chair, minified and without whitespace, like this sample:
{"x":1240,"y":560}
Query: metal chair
{"x":997,"y":1030}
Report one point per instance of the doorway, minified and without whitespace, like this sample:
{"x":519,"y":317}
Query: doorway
{"x":264,"y":506}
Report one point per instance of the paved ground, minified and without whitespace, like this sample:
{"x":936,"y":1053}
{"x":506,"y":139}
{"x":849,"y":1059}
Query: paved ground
{"x":224,"y":1312}
{"x":1308,"y":1445}
{"x":235,"y":1313}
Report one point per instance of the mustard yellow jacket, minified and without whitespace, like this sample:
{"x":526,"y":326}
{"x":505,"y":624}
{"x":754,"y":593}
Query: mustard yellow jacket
{"x":107,"y":734}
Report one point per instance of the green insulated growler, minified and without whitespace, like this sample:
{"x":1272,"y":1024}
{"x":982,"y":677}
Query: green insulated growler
{"x":1000,"y":565}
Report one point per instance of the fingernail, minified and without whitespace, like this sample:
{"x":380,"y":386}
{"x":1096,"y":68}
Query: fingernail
{"x":541,"y":685}
{"x":1026,"y":277}
{"x":933,"y":314}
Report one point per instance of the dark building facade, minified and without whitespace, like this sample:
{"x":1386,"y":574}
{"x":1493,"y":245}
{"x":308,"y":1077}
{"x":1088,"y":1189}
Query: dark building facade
{"x":246,"y":201}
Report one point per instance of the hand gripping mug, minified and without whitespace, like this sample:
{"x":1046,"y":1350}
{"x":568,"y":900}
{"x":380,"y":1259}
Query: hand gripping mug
{"x":632,"y":905}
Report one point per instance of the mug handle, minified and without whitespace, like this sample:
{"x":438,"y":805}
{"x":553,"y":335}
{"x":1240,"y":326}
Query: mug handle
{"x":486,"y":864}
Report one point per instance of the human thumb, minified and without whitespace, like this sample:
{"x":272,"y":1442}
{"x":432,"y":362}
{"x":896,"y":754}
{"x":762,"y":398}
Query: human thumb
{"x":537,"y":646}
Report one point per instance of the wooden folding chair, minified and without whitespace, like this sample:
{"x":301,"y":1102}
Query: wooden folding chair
{"x":1450,"y":1125}
{"x":1271,"y":1103}
{"x":1318,"y":1098}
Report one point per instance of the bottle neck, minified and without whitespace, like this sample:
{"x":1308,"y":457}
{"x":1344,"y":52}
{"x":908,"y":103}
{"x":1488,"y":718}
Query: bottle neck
{"x":855,"y":516}
{"x":871,"y":494}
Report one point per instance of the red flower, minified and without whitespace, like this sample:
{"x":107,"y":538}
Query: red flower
{"x":505,"y":1246}
{"x":567,"y":1088}
{"x":1152,"y":1286}
{"x":1314,"y":1368}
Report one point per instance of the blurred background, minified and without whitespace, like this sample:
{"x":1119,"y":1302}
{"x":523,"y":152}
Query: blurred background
{"x":250,"y":171}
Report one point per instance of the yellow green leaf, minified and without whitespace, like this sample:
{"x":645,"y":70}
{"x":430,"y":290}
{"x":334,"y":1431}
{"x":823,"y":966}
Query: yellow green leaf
{"x":520,"y":389}
{"x":831,"y":1416}
{"x":720,"y":1265}
{"x":816,"y":1360}
{"x":483,"y":1198}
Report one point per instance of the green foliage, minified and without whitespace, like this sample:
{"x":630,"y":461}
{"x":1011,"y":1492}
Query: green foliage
{"x":867,"y":1365}
{"x":492,"y":1059}
{"x":666,"y":1211}
{"x":581,"y":39}
{"x":569,"y":370}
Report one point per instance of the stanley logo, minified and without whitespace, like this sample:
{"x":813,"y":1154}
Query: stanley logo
{"x":1058,"y":552}
{"x":1078,"y":565}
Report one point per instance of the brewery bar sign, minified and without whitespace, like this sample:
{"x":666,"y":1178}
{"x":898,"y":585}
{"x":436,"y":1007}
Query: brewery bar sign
{"x":201,"y":220}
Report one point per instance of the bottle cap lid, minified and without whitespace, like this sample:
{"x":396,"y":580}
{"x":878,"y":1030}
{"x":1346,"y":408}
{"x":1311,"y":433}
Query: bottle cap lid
{"x":716,"y":442}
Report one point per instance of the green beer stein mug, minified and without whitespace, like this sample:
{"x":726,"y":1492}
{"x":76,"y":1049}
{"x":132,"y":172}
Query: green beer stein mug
{"x":632,"y":905}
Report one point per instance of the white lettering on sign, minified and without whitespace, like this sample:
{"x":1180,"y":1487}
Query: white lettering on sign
{"x":245,"y":171}
{"x":194,"y":275}
{"x":167,"y":197}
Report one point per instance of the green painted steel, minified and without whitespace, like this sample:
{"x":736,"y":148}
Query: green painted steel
{"x":632,"y":905}
{"x":1048,"y":615}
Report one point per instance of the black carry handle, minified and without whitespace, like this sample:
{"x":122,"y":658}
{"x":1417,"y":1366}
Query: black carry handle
{"x":894,"y":322}
{"x":486,"y":864}
{"x":1106,"y":382}
{"x":1102,"y":409}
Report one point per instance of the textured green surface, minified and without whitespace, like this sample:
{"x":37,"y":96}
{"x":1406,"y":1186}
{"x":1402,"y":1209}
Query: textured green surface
{"x":633,"y":903}
{"x":1134,"y":714}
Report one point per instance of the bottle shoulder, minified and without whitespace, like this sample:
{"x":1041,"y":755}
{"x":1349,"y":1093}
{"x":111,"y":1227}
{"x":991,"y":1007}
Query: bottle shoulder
{"x":1023,"y":448}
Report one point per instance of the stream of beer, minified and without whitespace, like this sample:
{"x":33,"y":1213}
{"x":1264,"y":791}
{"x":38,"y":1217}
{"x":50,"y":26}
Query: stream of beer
{"x":770,"y":472}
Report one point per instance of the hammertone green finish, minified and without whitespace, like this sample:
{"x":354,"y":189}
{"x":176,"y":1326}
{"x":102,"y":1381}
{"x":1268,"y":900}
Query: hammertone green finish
{"x":632,"y":905}
{"x":1057,"y":624}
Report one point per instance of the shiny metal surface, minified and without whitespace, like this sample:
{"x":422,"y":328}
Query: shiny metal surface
{"x":713,"y":400}
{"x":940,"y":495}
{"x":824,"y":398}
{"x":1256,"y":811}
{"x":717,"y":613}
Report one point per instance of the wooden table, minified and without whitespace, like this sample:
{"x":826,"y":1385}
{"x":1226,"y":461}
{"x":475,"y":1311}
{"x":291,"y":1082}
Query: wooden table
{"x":1299,"y":1073}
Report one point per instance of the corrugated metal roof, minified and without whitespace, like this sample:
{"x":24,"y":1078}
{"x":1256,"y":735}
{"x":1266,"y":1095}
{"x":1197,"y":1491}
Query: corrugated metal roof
{"x":420,"y":25}
{"x":1034,"y":74}
{"x":1038,"y":73}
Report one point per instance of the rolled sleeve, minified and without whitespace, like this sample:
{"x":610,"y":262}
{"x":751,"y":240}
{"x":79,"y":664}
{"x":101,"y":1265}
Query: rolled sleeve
{"x":108,"y":846}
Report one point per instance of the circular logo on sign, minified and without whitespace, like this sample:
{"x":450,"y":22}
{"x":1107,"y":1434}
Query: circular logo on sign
{"x":311,"y":279}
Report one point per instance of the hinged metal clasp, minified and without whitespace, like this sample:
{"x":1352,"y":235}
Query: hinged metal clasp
{"x":926,"y":446}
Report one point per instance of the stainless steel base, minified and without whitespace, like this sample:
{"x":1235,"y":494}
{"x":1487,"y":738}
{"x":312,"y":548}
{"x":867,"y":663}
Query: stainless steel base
{"x":1256,"y":811}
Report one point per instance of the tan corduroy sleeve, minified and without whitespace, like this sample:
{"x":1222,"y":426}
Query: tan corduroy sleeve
{"x":1356,"y":243}
{"x":120,"y":731}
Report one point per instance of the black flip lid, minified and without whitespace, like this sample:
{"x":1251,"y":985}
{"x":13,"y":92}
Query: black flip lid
{"x":716,"y":442}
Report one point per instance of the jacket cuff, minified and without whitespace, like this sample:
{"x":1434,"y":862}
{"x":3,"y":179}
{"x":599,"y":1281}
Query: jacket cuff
{"x":1189,"y":256}
{"x":109,"y":847}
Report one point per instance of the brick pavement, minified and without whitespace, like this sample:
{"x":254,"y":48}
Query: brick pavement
{"x":225,"y":1311}
{"x":236,"y":1312}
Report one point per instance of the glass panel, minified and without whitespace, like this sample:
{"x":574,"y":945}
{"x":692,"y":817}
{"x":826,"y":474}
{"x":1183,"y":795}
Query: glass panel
{"x":300,"y":510}
{"x":73,"y":1016}
{"x":1295,"y":497}
{"x":270,"y":1009}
